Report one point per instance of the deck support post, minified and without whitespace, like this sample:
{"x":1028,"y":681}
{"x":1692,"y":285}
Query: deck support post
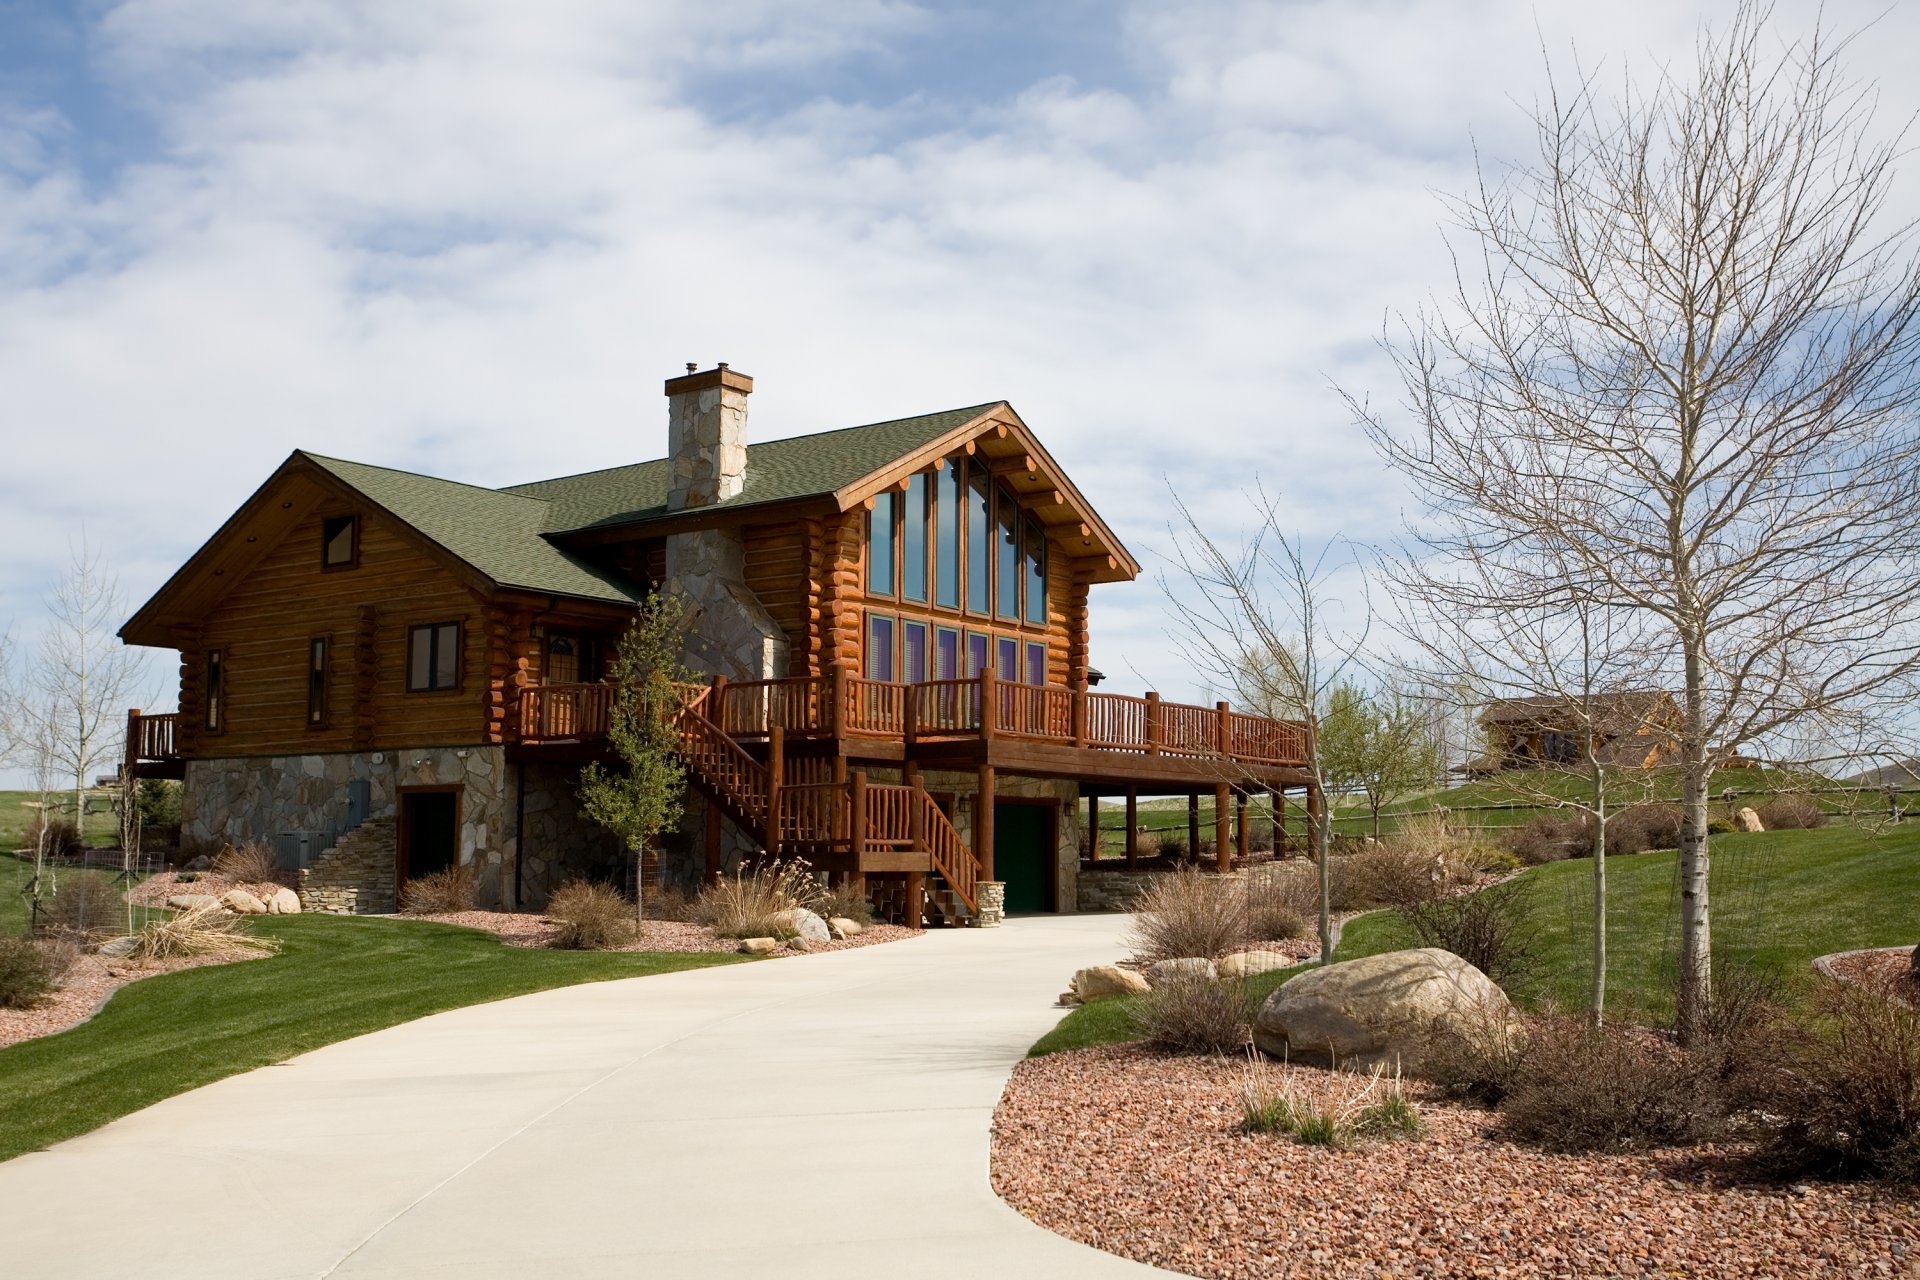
{"x":837,"y":713}
{"x":714,"y":867}
{"x":1222,"y":820}
{"x":1313,"y":815}
{"x":716,"y":702}
{"x":916,"y":899}
{"x":857,"y":817}
{"x":1133,"y":828}
{"x":1277,"y":802}
{"x":1078,"y":715}
{"x":1153,"y":724}
{"x":131,"y":764}
{"x":1193,"y":826}
{"x":1093,"y":827}
{"x":1240,"y":824}
{"x":776,"y":779}
{"x":989,"y":703}
{"x":983,"y":823}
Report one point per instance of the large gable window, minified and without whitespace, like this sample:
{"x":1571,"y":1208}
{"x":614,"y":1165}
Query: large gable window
{"x":946,"y":539}
{"x":979,"y":542}
{"x":913,"y":540}
{"x":339,"y":542}
{"x":433,"y":657}
{"x":880,"y":546}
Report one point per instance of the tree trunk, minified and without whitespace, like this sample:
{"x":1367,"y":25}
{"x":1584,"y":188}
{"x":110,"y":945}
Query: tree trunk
{"x":1323,"y":822}
{"x":1598,"y":995}
{"x":1694,"y":997}
{"x":640,"y":885}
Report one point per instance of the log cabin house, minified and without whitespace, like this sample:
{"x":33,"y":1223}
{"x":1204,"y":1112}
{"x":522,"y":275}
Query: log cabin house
{"x":1631,"y":729}
{"x":386,"y":673}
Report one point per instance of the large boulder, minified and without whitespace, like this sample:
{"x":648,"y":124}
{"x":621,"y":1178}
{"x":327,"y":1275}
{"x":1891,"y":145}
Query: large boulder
{"x":1105,"y":980}
{"x":1748,"y":820}
{"x":242,"y":903}
{"x":805,"y":924}
{"x":188,"y":901}
{"x":1382,"y":1010}
{"x":284,"y":902}
{"x":1244,"y":964}
{"x":1165,"y":972}
{"x":842,"y":927}
{"x":201,"y":863}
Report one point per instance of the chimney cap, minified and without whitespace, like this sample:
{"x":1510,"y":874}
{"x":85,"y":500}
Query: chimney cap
{"x":718,"y":376}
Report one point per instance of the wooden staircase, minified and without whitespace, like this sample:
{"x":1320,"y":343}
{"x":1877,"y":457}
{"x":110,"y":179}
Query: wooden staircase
{"x":876,"y":827}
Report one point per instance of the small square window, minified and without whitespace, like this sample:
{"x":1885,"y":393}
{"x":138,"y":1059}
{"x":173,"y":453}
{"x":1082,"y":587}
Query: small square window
{"x":339,"y":542}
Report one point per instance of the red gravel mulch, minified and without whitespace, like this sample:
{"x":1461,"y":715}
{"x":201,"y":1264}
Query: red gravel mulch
{"x":1889,"y":971}
{"x":1142,"y":1155}
{"x":524,"y":929}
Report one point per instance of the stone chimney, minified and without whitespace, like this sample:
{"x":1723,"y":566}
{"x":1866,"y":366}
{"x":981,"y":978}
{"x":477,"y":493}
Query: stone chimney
{"x":706,"y":436}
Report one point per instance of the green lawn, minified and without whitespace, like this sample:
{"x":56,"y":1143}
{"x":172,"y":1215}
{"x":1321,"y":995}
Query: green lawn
{"x":102,"y":827}
{"x":336,"y":977}
{"x":15,"y":875}
{"x":1780,"y":898}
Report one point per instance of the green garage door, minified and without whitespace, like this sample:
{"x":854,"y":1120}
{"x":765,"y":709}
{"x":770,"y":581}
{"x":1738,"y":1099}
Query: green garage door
{"x":1023,"y":854}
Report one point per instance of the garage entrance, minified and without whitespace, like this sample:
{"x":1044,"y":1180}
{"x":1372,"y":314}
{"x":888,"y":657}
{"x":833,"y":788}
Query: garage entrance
{"x":1024,"y":838}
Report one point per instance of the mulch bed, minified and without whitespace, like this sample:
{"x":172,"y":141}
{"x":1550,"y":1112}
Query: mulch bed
{"x":524,"y":929}
{"x":1890,"y":971}
{"x":1141,"y":1154}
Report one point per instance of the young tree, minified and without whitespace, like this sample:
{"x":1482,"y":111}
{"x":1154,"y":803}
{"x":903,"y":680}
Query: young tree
{"x":1262,"y":620}
{"x":84,"y":676}
{"x":1683,"y":364}
{"x":646,"y":793}
{"x":1402,"y":750}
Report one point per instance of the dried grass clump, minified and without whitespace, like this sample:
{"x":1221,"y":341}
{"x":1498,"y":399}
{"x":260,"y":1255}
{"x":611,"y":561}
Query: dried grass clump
{"x":1187,"y":914}
{"x":1791,"y":813}
{"x":31,"y":969}
{"x":1396,"y":873}
{"x":442,"y":891}
{"x":205,"y":930}
{"x":1193,"y":1015}
{"x":1327,"y":1109}
{"x":249,"y":862}
{"x":847,"y":901}
{"x":85,"y":904}
{"x":592,"y":917}
{"x":756,"y":906}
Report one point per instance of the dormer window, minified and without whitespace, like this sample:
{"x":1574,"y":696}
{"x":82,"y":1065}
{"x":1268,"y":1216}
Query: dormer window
{"x":339,"y":542}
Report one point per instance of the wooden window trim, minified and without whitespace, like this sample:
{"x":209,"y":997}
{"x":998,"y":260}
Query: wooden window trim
{"x":460,"y":668}
{"x":324,"y":644}
{"x":353,"y":560}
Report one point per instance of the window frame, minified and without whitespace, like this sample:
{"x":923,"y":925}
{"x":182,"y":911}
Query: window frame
{"x":924,"y":629}
{"x":978,"y":502}
{"x":890,"y":501}
{"x":319,"y":682}
{"x":213,"y":691}
{"x":352,"y":525}
{"x":433,"y":655}
{"x":1006,"y":520}
{"x":916,"y":513}
{"x":875,"y":620}
{"x":1033,"y":572}
{"x":948,"y":509}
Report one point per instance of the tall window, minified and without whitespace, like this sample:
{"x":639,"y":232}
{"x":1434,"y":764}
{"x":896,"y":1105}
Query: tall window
{"x":913,"y":540}
{"x":1006,"y":600}
{"x":317,"y":682}
{"x":978,"y":648}
{"x":913,"y":652}
{"x":946,"y":536}
{"x":1036,"y":663}
{"x":1034,"y":566}
{"x":979,"y":542}
{"x":339,"y":542}
{"x":563,"y":660}
{"x":216,"y":700}
{"x":946,"y":654}
{"x":1006,"y":658}
{"x":879,"y":647}
{"x":880,"y":545}
{"x":433,"y":657}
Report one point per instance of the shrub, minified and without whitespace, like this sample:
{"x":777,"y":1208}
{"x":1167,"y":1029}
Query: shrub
{"x":442,"y":891}
{"x":846,"y":900}
{"x":1396,"y":873}
{"x":30,"y":969}
{"x":1848,"y":1103}
{"x":1791,"y":813}
{"x":1192,"y":1015}
{"x":1272,"y":921}
{"x":1617,"y":1088}
{"x":1642,"y":827}
{"x":1719,"y":827}
{"x":1293,"y":887}
{"x":1491,"y":929}
{"x":198,"y":931}
{"x":1480,"y":1068}
{"x":1487,"y":860}
{"x":158,"y":801}
{"x":85,"y":904}
{"x":670,"y":904}
{"x":62,"y":837}
{"x":754,"y":906}
{"x":1172,"y":848}
{"x":1543,"y":839}
{"x":592,"y":917}
{"x":1187,"y":913}
{"x":249,"y":862}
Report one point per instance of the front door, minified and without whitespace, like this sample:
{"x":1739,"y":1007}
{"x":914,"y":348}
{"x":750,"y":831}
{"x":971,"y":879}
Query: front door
{"x":429,"y":832}
{"x":1023,"y":843}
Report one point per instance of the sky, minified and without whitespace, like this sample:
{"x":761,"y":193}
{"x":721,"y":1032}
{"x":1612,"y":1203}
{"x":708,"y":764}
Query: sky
{"x":473,"y":238}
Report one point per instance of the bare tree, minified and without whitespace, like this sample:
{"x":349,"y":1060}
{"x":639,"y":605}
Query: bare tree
{"x":1262,"y":620}
{"x":1681,"y":360}
{"x":84,"y":675}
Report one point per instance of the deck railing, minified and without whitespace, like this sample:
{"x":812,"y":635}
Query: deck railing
{"x":850,"y":706}
{"x":152,"y":737}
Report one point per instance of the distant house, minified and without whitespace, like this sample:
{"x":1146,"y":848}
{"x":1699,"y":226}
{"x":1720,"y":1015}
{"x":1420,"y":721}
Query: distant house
{"x":1632,"y":729}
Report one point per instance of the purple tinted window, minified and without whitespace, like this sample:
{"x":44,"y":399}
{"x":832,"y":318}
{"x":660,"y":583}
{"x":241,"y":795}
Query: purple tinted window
{"x":1036,"y":663}
{"x":913,"y":648}
{"x":946,"y":654}
{"x":879,"y":648}
{"x":976,"y":654}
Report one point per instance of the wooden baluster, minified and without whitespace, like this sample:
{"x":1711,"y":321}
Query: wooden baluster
{"x":1153,"y":724}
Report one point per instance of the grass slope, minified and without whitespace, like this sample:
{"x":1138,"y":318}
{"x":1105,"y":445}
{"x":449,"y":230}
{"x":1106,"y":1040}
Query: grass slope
{"x":15,"y":875}
{"x":336,"y":977}
{"x":1110,"y":1021}
{"x":102,"y":827}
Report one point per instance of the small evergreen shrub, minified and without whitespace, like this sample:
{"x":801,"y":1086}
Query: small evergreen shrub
{"x":592,"y":917}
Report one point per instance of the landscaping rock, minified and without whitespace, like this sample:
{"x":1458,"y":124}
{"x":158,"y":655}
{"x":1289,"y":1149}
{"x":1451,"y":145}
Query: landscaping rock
{"x":1107,"y":980}
{"x":1164,"y":972}
{"x":118,"y":947}
{"x":201,"y":863}
{"x":1068,"y":1000}
{"x":1748,"y":820}
{"x":759,"y":946}
{"x":284,"y":902}
{"x":1380,"y":1010}
{"x":806,"y":924}
{"x":841,"y":927}
{"x":242,"y":903}
{"x":188,"y":901}
{"x":1244,"y":964}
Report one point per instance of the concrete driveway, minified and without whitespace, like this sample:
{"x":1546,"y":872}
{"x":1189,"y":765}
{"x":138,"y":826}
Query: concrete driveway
{"x":826,"y":1115}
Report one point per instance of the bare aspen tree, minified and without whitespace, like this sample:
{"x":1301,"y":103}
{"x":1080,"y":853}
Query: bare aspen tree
{"x":85,"y":676}
{"x":1262,"y":619}
{"x":1680,"y":358}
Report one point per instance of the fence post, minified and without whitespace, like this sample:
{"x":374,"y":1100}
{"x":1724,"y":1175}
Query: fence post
{"x":1153,"y":724}
{"x":776,"y":777}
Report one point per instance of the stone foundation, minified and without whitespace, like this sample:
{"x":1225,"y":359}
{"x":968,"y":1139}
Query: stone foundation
{"x":993,"y":904}
{"x":1111,"y":890}
{"x":356,"y":876}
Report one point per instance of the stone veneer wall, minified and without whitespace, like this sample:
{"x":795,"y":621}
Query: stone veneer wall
{"x":355,"y":877}
{"x":1111,"y":890}
{"x":561,"y":842}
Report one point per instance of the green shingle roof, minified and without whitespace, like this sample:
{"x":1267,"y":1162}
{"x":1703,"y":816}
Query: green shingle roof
{"x":502,"y":532}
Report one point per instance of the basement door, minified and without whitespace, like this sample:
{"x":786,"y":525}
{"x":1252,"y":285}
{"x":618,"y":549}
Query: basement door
{"x":1023,"y":841}
{"x":429,"y":830}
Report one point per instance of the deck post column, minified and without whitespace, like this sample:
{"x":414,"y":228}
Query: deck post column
{"x":1222,"y":821}
{"x":989,"y":703}
{"x":837,"y":695}
{"x":776,"y":779}
{"x":840,"y":831}
{"x":1193,"y":825}
{"x":1240,"y":824}
{"x":1093,"y":827}
{"x":133,"y":740}
{"x":714,"y":867}
{"x":983,"y":823}
{"x":716,"y":703}
{"x":1079,"y":713}
{"x":1277,"y":800}
{"x":1133,"y":827}
{"x":857,"y":817}
{"x":1153,"y":724}
{"x":1314,"y":800}
{"x":910,"y":714}
{"x":1223,"y":732}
